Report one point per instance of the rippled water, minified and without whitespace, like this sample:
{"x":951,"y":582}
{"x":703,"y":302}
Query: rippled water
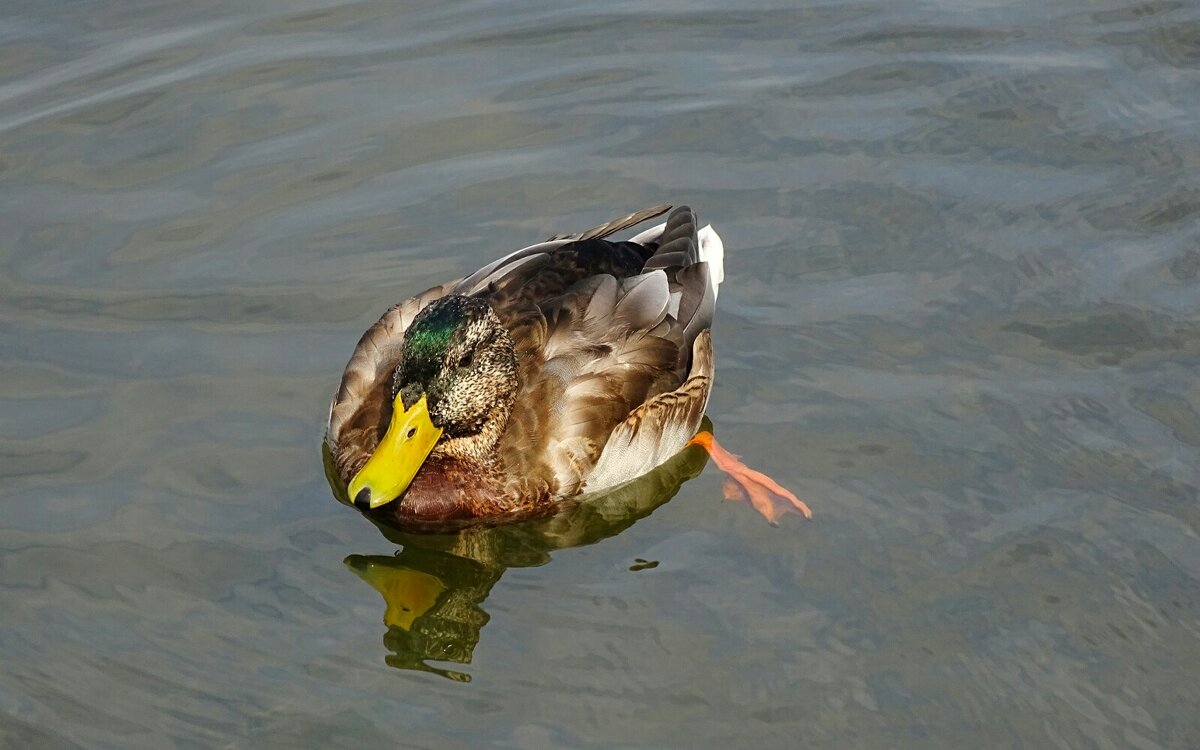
{"x":961,"y":319}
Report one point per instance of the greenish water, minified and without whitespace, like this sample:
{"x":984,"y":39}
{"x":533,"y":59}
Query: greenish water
{"x":961,"y":319}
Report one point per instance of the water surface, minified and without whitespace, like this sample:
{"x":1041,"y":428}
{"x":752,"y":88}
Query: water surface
{"x":961,"y":319}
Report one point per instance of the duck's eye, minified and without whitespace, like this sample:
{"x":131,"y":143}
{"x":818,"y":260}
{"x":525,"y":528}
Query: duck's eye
{"x":466,"y":359}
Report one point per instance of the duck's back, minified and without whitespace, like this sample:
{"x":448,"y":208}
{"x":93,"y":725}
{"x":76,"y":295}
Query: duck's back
{"x":601,"y":329}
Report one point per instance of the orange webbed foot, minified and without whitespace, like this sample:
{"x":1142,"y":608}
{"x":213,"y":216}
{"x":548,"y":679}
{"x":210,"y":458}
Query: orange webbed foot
{"x":766,"y":495}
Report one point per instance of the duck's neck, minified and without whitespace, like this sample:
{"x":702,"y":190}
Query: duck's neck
{"x":479,"y":447}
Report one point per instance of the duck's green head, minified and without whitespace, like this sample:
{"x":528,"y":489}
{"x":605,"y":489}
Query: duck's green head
{"x":452,"y":394}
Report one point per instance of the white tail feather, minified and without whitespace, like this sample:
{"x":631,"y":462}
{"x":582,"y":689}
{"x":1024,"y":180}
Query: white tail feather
{"x":712,"y":252}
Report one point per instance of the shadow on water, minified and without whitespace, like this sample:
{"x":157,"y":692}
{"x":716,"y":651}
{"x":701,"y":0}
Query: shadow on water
{"x":434,"y":587}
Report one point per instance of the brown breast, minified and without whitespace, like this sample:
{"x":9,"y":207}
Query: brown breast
{"x":448,"y":494}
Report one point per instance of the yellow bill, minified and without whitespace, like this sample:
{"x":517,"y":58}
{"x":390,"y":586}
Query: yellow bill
{"x":405,"y":446}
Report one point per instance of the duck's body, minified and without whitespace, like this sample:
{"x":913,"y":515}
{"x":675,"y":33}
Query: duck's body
{"x":567,"y":367}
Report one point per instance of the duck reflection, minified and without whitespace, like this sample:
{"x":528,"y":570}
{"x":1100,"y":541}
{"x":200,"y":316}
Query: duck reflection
{"x":432,"y":601}
{"x":434,"y":587}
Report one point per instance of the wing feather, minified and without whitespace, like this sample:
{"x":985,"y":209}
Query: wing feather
{"x":657,"y":429}
{"x":616,"y":225}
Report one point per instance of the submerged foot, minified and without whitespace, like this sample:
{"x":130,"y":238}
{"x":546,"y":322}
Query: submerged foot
{"x":743,"y":483}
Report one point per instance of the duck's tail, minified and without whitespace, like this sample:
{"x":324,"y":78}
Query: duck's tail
{"x":680,"y":243}
{"x":694,"y":260}
{"x":712,"y":252}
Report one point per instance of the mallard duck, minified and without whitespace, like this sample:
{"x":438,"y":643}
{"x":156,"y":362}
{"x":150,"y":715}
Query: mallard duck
{"x":568,"y":367}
